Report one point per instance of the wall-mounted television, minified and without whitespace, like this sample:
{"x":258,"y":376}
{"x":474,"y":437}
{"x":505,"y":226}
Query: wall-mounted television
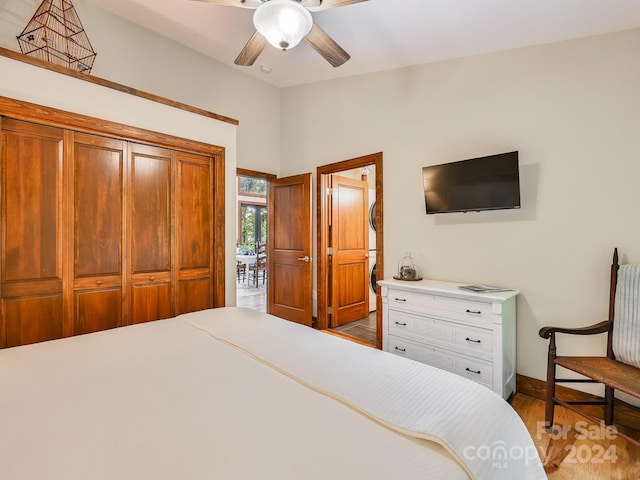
{"x":483,"y":183}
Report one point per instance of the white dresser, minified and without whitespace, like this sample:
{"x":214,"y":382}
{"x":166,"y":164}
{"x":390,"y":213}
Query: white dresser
{"x":471,"y":334}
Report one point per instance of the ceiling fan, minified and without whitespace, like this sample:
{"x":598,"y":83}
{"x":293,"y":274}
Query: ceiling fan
{"x":284,"y":23}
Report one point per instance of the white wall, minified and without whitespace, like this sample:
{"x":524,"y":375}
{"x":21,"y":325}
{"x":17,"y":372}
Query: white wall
{"x":571,"y":109}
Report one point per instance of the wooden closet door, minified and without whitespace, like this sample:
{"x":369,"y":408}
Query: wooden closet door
{"x":97,"y":213}
{"x":194,"y":225}
{"x":32,"y":244}
{"x":150,"y":227}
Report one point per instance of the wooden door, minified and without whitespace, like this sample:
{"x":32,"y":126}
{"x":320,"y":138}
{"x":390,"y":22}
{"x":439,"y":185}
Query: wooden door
{"x":194,"y":225}
{"x":350,"y":250}
{"x":289,"y":270}
{"x":33,"y":234}
{"x":149,"y":240}
{"x":97,"y":233}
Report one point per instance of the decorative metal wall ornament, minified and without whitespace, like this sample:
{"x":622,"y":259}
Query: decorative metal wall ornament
{"x":55,"y":34}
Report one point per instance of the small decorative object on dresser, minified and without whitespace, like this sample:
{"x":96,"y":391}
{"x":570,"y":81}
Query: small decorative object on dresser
{"x":407,"y":269}
{"x":438,"y":323}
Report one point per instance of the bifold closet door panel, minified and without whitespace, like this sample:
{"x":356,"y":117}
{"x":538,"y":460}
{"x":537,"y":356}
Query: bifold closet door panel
{"x":98,"y":232}
{"x":32,"y":224}
{"x":150,"y":226}
{"x":194,"y":226}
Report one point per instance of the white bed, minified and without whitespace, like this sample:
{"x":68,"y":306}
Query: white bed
{"x":233,"y":393}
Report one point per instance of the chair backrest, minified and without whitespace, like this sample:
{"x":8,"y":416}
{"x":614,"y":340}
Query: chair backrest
{"x":261,"y":252}
{"x":626,"y":317}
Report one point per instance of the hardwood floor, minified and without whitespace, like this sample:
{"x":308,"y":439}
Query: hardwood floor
{"x":576,"y":449}
{"x":364,"y":329}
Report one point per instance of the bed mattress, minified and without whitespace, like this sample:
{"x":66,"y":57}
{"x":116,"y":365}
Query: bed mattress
{"x":234,"y":393}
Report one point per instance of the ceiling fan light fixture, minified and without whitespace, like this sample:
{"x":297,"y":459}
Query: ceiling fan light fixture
{"x":284,"y":23}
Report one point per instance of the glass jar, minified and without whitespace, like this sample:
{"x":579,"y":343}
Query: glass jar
{"x":407,"y":268}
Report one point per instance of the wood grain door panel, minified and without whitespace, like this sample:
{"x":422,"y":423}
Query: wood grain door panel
{"x":98,"y":173}
{"x":32,"y":226}
{"x":32,"y":181}
{"x":289,"y":271}
{"x":194,"y":295}
{"x":287,"y":295}
{"x":33,"y":319}
{"x":194,"y":226}
{"x":150,"y":238}
{"x":151,"y":302}
{"x":98,"y":228}
{"x":150,"y":209}
{"x":195,"y":212}
{"x":350,"y":246}
{"x":96,"y":310}
{"x":348,"y":302}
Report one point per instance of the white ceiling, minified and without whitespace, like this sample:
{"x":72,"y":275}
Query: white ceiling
{"x":381,"y":34}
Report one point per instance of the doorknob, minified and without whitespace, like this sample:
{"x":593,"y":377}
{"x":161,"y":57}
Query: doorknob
{"x":306,"y":258}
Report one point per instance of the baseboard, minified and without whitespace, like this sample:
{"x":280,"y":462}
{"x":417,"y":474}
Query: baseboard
{"x":625,"y":415}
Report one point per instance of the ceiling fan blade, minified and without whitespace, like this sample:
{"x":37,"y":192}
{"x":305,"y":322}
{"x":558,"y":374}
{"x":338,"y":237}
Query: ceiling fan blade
{"x":327,"y":4}
{"x":251,"y":50}
{"x":230,"y":3}
{"x":326,"y":46}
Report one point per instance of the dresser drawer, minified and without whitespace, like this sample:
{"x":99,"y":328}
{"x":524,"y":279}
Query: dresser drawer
{"x":402,"y":348}
{"x":461,"y":310}
{"x":472,"y":368}
{"x":446,"y":333}
{"x":473,"y":339}
{"x":475,"y":370}
{"x":401,"y":322}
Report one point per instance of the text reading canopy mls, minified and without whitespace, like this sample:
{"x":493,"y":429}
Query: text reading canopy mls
{"x":483,"y":183}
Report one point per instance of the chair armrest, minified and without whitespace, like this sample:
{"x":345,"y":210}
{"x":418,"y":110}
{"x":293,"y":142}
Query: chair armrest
{"x":602,"y":327}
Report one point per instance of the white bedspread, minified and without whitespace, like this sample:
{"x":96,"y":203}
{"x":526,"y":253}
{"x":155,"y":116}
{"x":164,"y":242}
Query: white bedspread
{"x":232,"y":393}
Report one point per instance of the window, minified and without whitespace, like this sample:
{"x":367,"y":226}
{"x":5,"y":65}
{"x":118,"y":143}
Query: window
{"x":253,"y":226}
{"x":252,"y":186}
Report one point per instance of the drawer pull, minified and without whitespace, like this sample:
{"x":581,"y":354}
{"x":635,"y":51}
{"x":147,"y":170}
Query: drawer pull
{"x":400,"y":299}
{"x":477,"y":372}
{"x":473,"y":341}
{"x":401,"y":349}
{"x":99,"y":282}
{"x":475,"y":312}
{"x":401,"y":324}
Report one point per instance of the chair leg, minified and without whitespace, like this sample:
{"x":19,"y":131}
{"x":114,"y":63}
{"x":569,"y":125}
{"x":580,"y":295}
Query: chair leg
{"x":608,"y":408}
{"x":549,"y":405}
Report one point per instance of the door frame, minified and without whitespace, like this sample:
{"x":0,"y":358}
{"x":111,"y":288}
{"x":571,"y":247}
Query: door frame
{"x":322,"y":232}
{"x":243,"y":172}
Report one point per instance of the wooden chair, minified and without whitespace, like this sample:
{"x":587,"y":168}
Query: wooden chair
{"x":241,"y":270}
{"x":620,"y":368}
{"x":261,"y":263}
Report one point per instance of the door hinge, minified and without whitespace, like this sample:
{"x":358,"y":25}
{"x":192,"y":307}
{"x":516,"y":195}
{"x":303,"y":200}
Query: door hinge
{"x":329,"y":191}
{"x":330,"y":310}
{"x":330,"y":251}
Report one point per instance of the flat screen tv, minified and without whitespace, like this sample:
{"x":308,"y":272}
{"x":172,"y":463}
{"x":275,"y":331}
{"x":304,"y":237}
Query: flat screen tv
{"x":484,"y":183}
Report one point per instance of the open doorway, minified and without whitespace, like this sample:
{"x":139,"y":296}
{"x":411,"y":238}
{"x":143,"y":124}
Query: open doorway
{"x":251,"y":240}
{"x":350,"y":249}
